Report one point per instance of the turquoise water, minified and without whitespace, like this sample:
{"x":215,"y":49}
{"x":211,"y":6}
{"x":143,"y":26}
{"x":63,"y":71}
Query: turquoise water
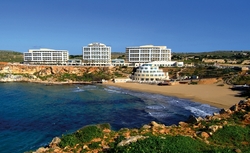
{"x":32,"y":114}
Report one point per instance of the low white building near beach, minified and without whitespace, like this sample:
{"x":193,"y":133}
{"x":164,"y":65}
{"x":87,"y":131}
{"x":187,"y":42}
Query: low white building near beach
{"x":149,"y":73}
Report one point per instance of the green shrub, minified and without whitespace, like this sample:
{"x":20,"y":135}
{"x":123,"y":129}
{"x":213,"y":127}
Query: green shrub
{"x":211,"y":122}
{"x":237,"y":117}
{"x":94,"y":145}
{"x":68,"y":140}
{"x":104,"y":126}
{"x":231,"y":136}
{"x":88,"y":133}
{"x":167,"y":145}
{"x":117,"y":74}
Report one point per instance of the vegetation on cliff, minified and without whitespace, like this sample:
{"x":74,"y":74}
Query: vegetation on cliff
{"x":227,"y":131}
{"x":10,"y":56}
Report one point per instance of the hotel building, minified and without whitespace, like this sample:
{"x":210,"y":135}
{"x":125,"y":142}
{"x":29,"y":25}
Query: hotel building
{"x":147,"y":53}
{"x":96,"y":54}
{"x":46,"y":56}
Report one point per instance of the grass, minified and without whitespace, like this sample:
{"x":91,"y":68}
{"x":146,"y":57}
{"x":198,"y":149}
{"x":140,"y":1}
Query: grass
{"x":233,"y":137}
{"x":84,"y":135}
{"x":166,"y":144}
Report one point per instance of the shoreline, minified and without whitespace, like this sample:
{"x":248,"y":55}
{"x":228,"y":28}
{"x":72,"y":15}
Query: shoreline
{"x":211,"y":94}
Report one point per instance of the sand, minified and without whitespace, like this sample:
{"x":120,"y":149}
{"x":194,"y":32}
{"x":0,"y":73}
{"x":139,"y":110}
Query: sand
{"x":211,"y":94}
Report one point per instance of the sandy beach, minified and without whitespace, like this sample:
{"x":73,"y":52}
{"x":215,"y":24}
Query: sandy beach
{"x":212,"y":94}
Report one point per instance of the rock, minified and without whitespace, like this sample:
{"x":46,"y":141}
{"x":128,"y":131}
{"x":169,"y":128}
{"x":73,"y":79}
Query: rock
{"x":146,"y":127}
{"x":238,"y":150}
{"x":214,"y":128}
{"x":225,"y":123}
{"x":242,"y":102}
{"x":225,"y":111}
{"x":234,"y":107}
{"x":154,"y":124}
{"x":247,"y":117}
{"x":208,"y":117}
{"x":41,"y":150}
{"x":205,"y":135}
{"x":183,"y":124}
{"x":131,"y":139}
{"x":55,"y":142}
{"x":216,"y":114}
{"x":192,"y":119}
{"x":199,"y":119}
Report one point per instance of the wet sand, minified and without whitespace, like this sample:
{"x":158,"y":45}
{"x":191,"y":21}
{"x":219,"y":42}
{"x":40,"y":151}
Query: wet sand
{"x":212,"y":94}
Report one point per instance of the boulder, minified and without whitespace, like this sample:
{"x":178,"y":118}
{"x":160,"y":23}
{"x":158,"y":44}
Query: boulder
{"x":183,"y":124}
{"x":192,"y":119}
{"x":214,"y":128}
{"x":205,"y":135}
{"x":131,"y":139}
{"x":225,"y":111}
{"x":234,"y":107}
{"x":55,"y":142}
{"x":146,"y":127}
{"x":41,"y":150}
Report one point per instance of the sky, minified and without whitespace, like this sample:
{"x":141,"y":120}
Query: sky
{"x":181,"y":25}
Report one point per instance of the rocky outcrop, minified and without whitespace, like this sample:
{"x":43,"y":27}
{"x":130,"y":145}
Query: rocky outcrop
{"x":131,"y":140}
{"x":39,"y":73}
{"x":44,"y":70}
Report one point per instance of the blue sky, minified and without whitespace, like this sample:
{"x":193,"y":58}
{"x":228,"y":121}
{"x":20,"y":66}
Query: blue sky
{"x":182,"y":25}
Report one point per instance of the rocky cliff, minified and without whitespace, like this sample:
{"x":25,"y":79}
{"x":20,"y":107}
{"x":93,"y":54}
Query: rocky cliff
{"x":55,"y":73}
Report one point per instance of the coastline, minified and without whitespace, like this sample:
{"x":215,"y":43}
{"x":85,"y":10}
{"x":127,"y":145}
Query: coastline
{"x":211,"y":94}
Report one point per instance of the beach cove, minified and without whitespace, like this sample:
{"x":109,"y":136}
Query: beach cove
{"x":211,"y":94}
{"x":42,"y":112}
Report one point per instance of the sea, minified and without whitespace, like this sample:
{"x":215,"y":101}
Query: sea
{"x":31,"y":114}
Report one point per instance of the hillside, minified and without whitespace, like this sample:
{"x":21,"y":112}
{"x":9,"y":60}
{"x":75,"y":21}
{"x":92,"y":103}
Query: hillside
{"x":10,"y":56}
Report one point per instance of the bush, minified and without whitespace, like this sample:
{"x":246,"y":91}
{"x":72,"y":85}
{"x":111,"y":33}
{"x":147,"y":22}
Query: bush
{"x":167,"y":145}
{"x":232,"y":136}
{"x":68,"y":140}
{"x":104,"y":126}
{"x":88,"y":133}
{"x":94,"y":145}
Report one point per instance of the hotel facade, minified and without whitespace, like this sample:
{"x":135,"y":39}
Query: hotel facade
{"x":96,"y":54}
{"x":46,"y":56}
{"x":147,"y":53}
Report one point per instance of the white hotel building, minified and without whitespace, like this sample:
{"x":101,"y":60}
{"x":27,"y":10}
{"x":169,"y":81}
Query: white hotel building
{"x":46,"y":56}
{"x":147,"y":53}
{"x":96,"y":54}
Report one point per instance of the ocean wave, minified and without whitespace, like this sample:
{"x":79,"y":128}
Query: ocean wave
{"x":78,"y":90}
{"x":112,"y":91}
{"x":158,"y":115}
{"x":163,"y":103}
{"x":155,"y":107}
{"x":198,"y":112}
